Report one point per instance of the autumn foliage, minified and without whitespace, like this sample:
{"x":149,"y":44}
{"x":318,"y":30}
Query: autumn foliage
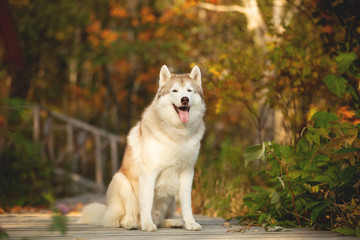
{"x":99,"y":62}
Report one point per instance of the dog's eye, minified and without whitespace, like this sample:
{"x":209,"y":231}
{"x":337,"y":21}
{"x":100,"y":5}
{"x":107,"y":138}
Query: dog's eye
{"x":174,"y":90}
{"x":189,"y":90}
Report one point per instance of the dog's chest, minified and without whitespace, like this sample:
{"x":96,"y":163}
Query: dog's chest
{"x":167,"y":183}
{"x":177,"y":160}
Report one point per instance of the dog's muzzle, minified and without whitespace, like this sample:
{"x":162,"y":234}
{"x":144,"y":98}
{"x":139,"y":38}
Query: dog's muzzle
{"x":183,"y":112}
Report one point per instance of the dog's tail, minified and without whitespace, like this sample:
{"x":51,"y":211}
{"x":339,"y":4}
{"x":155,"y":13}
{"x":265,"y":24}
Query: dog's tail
{"x":92,"y":213}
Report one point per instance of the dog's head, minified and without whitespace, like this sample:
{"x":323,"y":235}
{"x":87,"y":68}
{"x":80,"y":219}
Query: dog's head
{"x":183,"y":92}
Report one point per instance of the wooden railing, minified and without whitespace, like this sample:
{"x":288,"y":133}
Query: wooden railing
{"x":82,"y":142}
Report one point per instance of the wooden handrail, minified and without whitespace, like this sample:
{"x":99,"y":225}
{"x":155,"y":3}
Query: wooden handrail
{"x":85,"y":126}
{"x":72,"y":124}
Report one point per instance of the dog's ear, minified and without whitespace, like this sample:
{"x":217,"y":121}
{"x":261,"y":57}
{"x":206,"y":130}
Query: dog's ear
{"x":196,"y":74}
{"x":164,"y":74}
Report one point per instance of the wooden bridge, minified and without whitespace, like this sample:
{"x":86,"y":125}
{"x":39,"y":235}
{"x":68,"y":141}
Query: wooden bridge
{"x":36,"y":226}
{"x":64,"y":137}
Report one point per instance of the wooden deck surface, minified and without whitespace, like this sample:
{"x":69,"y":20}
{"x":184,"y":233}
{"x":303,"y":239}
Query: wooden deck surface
{"x":36,"y":226}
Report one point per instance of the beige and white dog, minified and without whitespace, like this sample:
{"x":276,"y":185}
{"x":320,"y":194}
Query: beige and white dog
{"x":159,"y":160}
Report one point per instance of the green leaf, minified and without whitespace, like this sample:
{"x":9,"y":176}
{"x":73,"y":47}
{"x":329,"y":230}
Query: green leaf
{"x":336,"y":84}
{"x":303,"y":147}
{"x":3,"y":234}
{"x":313,"y":137}
{"x":258,"y":189}
{"x":59,"y":223}
{"x":320,"y":160}
{"x":347,"y":173}
{"x":352,"y":92}
{"x":346,"y":150}
{"x":322,"y":119}
{"x":254,"y":153}
{"x":311,"y":205}
{"x":295,"y":174}
{"x":286,"y":151}
{"x":344,"y":61}
{"x":262,"y":217}
{"x":275,"y":198}
{"x":323,"y":179}
{"x":316,"y":211}
{"x":345,"y":231}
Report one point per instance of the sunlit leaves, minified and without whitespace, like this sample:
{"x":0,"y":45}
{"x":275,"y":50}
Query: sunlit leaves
{"x":326,"y":173}
{"x":147,"y":15}
{"x":254,"y":153}
{"x":336,"y":84}
{"x":98,"y":35}
{"x":323,"y":119}
{"x":345,"y":60}
{"x":117,"y":10}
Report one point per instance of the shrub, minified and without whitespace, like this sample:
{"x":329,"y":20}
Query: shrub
{"x":315,"y":183}
{"x":25,"y":177}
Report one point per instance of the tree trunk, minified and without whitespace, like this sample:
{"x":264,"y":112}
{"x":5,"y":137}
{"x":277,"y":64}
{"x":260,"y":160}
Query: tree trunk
{"x":269,"y":127}
{"x":5,"y":86}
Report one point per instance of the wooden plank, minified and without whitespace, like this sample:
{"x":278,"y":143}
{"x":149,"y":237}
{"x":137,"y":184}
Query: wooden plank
{"x":36,"y":226}
{"x":99,"y":170}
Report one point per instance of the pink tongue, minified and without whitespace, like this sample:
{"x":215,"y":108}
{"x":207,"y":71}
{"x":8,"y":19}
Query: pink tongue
{"x":184,"y":116}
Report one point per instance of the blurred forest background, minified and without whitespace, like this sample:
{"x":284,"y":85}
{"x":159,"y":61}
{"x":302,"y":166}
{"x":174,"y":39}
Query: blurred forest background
{"x":268,"y":67}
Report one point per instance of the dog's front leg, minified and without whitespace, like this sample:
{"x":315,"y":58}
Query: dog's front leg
{"x":186,"y":178}
{"x":146,"y":198}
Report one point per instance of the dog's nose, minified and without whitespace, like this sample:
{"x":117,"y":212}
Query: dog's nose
{"x":184,"y":100}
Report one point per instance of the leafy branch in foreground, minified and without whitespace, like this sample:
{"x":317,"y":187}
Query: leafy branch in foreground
{"x":322,"y":171}
{"x":59,"y":219}
{"x":314,"y":184}
{"x":3,"y":233}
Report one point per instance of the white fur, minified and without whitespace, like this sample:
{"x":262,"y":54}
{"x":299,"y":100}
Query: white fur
{"x":162,"y":152}
{"x":92,"y":214}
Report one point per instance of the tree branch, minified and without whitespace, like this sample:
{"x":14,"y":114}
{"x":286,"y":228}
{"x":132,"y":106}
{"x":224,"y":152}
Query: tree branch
{"x":222,"y":8}
{"x":289,"y":184}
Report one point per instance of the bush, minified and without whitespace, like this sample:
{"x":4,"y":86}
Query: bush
{"x":315,"y":183}
{"x":25,"y":177}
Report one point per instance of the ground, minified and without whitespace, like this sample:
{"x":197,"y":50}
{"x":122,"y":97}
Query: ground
{"x":36,"y":226}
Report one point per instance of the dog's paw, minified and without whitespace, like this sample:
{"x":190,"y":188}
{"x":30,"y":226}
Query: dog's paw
{"x":148,"y":227}
{"x":194,"y":226}
{"x":129,"y":223}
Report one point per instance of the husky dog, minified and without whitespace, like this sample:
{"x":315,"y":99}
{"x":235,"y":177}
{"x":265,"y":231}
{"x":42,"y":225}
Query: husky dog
{"x":158,"y":162}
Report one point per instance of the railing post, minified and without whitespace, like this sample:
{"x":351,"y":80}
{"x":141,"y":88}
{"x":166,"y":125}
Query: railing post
{"x":114,"y":155}
{"x":36,"y":119}
{"x":98,"y":163}
{"x":70,"y":138}
{"x":48,"y":135}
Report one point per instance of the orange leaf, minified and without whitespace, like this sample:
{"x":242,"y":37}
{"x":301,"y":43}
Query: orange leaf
{"x":328,"y":29}
{"x":117,"y":11}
